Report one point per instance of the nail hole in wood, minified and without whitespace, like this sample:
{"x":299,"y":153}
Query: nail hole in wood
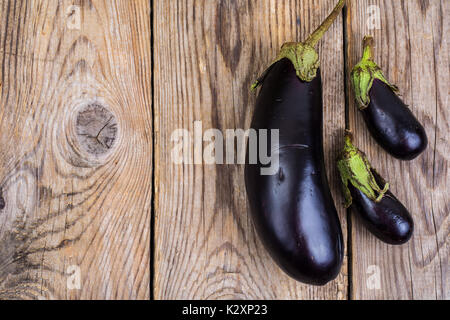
{"x":2,"y":200}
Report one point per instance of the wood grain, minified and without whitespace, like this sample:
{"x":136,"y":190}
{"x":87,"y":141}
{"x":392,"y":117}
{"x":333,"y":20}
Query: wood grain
{"x":412,"y":49}
{"x":76,"y":149}
{"x":207,"y":54}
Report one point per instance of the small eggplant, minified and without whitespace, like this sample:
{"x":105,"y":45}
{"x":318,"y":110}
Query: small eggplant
{"x":380,"y":210}
{"x":293,"y":210}
{"x":389,"y":120}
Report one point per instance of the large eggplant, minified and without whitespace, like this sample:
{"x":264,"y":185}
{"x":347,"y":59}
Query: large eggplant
{"x":293,"y":210}
{"x":388,"y":118}
{"x":365,"y":190}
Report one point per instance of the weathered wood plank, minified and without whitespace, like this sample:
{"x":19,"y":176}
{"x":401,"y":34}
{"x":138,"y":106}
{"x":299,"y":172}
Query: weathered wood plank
{"x":207,"y":53}
{"x":412,"y":49}
{"x":76,"y":149}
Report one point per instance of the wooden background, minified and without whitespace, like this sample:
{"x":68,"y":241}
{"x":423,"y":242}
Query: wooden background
{"x":95,"y":208}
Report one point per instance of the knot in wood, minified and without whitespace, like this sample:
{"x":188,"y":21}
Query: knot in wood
{"x":96,"y":129}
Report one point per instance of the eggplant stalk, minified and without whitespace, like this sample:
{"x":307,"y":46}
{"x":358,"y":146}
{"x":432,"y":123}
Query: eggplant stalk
{"x":303,"y":55}
{"x":354,"y":168}
{"x":365,"y":72}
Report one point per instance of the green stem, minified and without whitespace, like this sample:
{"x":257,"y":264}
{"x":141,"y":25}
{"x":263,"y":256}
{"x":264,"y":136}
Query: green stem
{"x":303,"y":55}
{"x":365,"y":72}
{"x":355,"y":169}
{"x":348,"y":138}
{"x":368,"y":48}
{"x":314,"y":38}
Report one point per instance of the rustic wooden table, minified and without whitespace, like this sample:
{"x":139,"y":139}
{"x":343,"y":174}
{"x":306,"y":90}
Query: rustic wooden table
{"x":91,"y":92}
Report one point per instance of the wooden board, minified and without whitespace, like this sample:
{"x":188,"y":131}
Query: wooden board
{"x":76,"y":146}
{"x":207,"y":54}
{"x":412,"y":49}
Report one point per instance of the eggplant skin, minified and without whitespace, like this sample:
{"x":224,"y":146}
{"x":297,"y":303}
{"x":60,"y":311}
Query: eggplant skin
{"x":388,"y":219}
{"x":293,"y":211}
{"x":392,"y":124}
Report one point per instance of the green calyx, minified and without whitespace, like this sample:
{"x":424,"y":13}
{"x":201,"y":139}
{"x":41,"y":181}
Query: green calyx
{"x":303,"y":56}
{"x":354,"y":168}
{"x":364,"y":73}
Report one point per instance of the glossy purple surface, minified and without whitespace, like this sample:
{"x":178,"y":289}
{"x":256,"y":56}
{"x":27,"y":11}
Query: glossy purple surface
{"x":388,"y":219}
{"x":392,"y":124}
{"x":293,"y":210}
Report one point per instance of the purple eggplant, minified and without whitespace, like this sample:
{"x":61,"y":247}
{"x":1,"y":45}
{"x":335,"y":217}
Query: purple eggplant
{"x":389,"y":120}
{"x":293,"y":210}
{"x":367,"y":192}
